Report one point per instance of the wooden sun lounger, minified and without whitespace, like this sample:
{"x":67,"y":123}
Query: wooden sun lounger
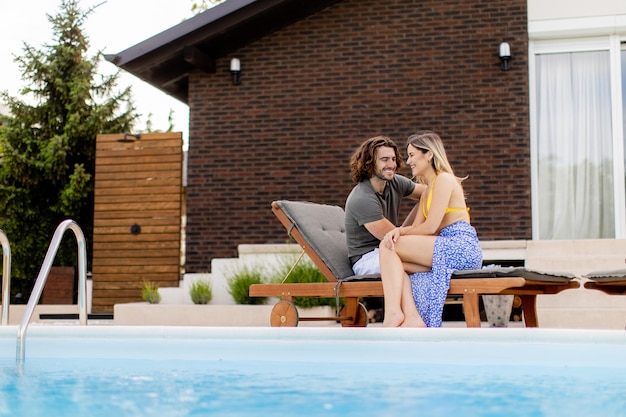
{"x":319,"y":230}
{"x":610,"y":282}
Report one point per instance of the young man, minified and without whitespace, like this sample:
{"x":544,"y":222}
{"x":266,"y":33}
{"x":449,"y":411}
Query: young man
{"x":373,"y":206}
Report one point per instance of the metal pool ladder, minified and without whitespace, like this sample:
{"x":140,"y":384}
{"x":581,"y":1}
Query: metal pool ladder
{"x":43,"y":276}
{"x":6,"y":277}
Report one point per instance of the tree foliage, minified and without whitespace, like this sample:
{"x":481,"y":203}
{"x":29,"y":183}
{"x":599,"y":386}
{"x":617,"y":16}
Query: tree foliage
{"x":48,"y":143}
{"x":202,"y":5}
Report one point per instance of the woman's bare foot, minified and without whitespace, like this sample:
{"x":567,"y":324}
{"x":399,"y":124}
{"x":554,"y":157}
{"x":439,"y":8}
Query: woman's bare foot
{"x":393,"y":320}
{"x":417,"y":322}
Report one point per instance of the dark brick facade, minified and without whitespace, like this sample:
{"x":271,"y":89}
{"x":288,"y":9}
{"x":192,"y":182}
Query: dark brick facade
{"x":312,"y":91}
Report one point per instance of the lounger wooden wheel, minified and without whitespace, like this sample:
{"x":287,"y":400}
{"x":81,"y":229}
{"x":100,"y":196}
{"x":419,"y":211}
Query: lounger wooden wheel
{"x":284,"y":314}
{"x":360,"y":317}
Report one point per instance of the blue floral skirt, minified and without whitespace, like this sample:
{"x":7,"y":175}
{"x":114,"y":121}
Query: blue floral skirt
{"x":456,"y":248}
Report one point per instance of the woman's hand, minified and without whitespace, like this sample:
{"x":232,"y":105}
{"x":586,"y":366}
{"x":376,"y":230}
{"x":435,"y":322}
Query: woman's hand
{"x":391,"y":238}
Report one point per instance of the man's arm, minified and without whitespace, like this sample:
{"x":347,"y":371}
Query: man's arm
{"x":417,"y":191}
{"x":380,"y":228}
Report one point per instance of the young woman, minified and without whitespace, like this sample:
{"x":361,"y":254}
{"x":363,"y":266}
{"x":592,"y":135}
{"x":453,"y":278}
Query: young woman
{"x":417,"y":260}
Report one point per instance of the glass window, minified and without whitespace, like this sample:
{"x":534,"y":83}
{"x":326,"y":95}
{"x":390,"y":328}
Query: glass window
{"x":574,"y":146}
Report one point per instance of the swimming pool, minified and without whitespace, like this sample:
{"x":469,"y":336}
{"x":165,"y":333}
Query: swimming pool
{"x":198,"y":371}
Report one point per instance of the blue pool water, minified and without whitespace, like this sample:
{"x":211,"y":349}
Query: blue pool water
{"x":155,"y":371}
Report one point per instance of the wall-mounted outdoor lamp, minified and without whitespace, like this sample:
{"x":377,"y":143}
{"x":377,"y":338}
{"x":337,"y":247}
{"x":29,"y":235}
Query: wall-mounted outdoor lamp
{"x":235,"y":69}
{"x":505,"y":56}
{"x":129,"y":137}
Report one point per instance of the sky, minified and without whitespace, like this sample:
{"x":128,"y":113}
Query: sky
{"x":112,"y":27}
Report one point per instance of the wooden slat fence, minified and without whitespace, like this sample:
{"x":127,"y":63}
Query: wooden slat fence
{"x":137,"y":217}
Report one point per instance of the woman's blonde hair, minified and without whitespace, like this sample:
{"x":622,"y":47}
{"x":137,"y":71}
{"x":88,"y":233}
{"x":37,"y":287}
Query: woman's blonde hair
{"x":426,"y":140}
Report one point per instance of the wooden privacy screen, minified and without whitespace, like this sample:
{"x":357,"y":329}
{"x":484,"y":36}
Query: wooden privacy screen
{"x":137,"y":217}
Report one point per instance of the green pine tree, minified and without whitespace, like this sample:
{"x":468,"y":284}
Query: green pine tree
{"x":200,"y":6}
{"x":48,"y":144}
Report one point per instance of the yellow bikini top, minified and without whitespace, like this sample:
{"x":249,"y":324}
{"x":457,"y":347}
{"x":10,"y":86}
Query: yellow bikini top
{"x":426,"y":207}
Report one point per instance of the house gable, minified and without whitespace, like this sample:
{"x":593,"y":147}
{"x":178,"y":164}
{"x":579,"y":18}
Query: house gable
{"x":166,"y":59}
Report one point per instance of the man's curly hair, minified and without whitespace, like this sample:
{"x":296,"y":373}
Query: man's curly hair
{"x":363,"y":160}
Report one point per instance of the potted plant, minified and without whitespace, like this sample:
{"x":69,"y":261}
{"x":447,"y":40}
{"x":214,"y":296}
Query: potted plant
{"x":150,"y":293}
{"x":201,"y":292}
{"x":239,"y":285}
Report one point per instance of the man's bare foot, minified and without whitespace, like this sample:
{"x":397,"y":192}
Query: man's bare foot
{"x":393,"y":320}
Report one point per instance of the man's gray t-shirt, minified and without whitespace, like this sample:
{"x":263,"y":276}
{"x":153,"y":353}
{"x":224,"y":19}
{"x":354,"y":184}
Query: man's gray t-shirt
{"x":365,"y":205}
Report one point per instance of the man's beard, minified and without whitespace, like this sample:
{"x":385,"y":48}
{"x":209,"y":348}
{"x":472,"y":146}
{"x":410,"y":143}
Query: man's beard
{"x":381,"y":176}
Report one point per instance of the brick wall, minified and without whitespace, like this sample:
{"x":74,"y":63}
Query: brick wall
{"x":312,"y":91}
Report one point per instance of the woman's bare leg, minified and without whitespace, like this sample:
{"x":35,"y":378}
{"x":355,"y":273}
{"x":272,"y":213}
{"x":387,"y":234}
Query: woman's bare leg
{"x":412,"y":317}
{"x":398,"y":297}
{"x":416,"y":250}
{"x":392,"y":273}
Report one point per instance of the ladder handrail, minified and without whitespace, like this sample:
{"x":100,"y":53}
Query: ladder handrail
{"x":6,"y":277}
{"x":43,"y":276}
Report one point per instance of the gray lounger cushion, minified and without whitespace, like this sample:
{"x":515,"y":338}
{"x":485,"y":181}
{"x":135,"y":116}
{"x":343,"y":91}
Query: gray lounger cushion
{"x":607,"y":276}
{"x":323,"y":227}
{"x":515,"y":271}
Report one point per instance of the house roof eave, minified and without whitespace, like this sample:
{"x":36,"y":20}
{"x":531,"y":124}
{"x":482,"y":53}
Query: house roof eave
{"x":165,"y":60}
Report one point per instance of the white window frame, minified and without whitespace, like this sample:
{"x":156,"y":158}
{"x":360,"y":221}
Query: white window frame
{"x":594,"y":34}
